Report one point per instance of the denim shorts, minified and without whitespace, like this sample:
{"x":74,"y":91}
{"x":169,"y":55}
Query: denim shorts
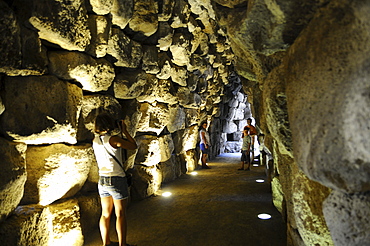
{"x":204,"y":149}
{"x":113,"y":186}
{"x":245,"y":156}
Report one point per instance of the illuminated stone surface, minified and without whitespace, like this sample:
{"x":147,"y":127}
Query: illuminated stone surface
{"x":93,"y":74}
{"x":127,"y":52}
{"x":165,"y":36}
{"x":122,"y":11}
{"x":170,"y":169}
{"x":101,"y":7}
{"x":154,"y":117}
{"x":145,"y":17}
{"x":100,"y":27}
{"x":150,"y":59}
{"x":12,"y":177}
{"x":177,"y":118}
{"x":153,"y":150}
{"x":2,"y":107}
{"x":302,"y":64}
{"x":62,"y":23}
{"x":158,"y":90}
{"x":29,"y":225}
{"x":55,"y":224}
{"x":35,"y":118}
{"x":56,"y":171}
{"x":180,"y":49}
{"x":65,"y":223}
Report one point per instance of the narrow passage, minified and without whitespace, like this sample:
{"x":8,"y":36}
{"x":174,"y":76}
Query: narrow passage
{"x":218,"y":206}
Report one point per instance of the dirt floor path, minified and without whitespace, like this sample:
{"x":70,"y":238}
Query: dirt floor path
{"x":218,"y":206}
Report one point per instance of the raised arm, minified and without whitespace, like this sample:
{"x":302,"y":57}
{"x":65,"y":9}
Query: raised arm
{"x":118,"y":142}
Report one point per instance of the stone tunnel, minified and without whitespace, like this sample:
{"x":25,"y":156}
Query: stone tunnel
{"x":300,"y":68}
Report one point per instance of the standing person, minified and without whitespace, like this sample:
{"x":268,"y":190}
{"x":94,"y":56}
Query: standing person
{"x":112,"y":186}
{"x":253,"y":135}
{"x":204,"y":144}
{"x":246,"y":147}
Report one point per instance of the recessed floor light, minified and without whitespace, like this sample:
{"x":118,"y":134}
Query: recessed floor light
{"x":264,"y":216}
{"x":167,"y":194}
{"x":260,"y":180}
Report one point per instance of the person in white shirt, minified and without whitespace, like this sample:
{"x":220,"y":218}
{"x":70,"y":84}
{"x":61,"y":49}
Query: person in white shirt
{"x":204,"y":144}
{"x":112,"y":186}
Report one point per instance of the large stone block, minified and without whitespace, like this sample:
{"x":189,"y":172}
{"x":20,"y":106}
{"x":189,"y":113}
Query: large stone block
{"x":180,"y":49}
{"x":10,"y":47}
{"x":191,"y":160}
{"x":27,"y":226}
{"x":93,"y":74}
{"x":22,"y":53}
{"x":62,"y":22}
{"x":347,"y":216}
{"x":130,"y":84}
{"x":101,"y":7}
{"x":150,"y":59}
{"x":154,"y":117}
{"x":34,"y":225}
{"x":167,"y":7}
{"x":192,"y":116}
{"x":177,"y":118}
{"x":122,"y":12}
{"x":153,"y":150}
{"x":165,"y":64}
{"x":328,"y":97}
{"x":165,"y":36}
{"x":158,"y":90}
{"x":145,"y":17}
{"x":187,"y":99}
{"x":65,"y":225}
{"x":170,"y":169}
{"x":90,"y":210}
{"x":147,"y":182}
{"x":56,"y":171}
{"x":180,"y":15}
{"x":191,"y":138}
{"x":179,"y":75}
{"x":308,"y":197}
{"x":100,"y":27}
{"x":33,"y":117}
{"x":127,"y":52}
{"x":12,"y":176}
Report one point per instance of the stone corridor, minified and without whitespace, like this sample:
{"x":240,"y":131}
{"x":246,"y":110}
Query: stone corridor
{"x":215,"y":207}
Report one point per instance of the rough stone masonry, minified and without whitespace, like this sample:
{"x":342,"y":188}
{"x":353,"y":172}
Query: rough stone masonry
{"x":301,"y":67}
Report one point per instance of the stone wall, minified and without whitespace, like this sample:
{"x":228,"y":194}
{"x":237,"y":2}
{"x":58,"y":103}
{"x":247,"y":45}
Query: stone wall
{"x":165,"y":66}
{"x":162,"y":66}
{"x":305,"y":68}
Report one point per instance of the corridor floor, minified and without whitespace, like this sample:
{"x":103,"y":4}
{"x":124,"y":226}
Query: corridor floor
{"x":218,"y":206}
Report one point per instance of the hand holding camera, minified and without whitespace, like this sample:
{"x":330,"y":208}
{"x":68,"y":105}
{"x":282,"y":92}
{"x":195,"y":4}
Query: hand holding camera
{"x":122,"y":125}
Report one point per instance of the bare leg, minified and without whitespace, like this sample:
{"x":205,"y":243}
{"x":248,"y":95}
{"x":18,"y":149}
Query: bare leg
{"x":204,"y":161}
{"x":107,"y":205}
{"x":248,"y":161}
{"x":121,"y":222}
{"x":242,"y":166}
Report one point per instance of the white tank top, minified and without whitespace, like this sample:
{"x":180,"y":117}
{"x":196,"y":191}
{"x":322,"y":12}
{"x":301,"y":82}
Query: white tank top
{"x":106,"y":163}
